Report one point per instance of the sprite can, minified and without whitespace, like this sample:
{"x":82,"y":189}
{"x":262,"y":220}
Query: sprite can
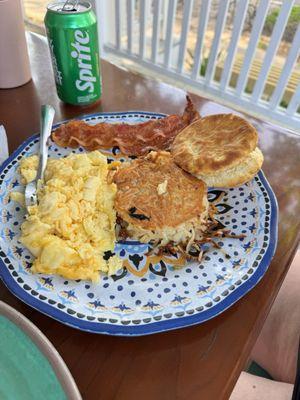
{"x":72,"y":36}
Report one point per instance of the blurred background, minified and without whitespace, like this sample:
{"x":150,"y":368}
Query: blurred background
{"x":35,"y":12}
{"x":242,"y":53}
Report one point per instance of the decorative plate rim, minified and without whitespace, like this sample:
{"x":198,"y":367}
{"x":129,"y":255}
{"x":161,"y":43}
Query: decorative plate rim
{"x":159,"y":326}
{"x":44,"y":345}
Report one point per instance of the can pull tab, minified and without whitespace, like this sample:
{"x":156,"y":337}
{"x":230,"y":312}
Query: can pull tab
{"x":70,"y":5}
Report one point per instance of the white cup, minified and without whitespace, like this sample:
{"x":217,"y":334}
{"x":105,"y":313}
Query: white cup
{"x":14,"y":60}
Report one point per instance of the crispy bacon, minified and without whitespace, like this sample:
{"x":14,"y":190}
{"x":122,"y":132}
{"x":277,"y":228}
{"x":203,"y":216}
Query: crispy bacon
{"x":132,"y":140}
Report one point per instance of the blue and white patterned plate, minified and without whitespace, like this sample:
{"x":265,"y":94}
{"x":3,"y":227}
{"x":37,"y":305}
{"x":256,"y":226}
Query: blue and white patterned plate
{"x":149,"y":294}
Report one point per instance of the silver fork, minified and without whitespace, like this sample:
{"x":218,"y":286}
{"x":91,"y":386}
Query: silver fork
{"x":3,"y":145}
{"x":46,"y":121}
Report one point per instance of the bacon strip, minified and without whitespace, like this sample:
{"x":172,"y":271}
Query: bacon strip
{"x":132,"y":140}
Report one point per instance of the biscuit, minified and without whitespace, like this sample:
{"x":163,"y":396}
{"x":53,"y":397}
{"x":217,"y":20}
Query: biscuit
{"x":220,"y":149}
{"x":237,"y":175}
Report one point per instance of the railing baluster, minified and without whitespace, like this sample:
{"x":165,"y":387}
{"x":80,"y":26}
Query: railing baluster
{"x":202,"y":24}
{"x":272,"y":48}
{"x":220,"y":22}
{"x":239,"y":18}
{"x":254,"y":37}
{"x":155,"y":32}
{"x":187,"y":10}
{"x":142,"y":28}
{"x":112,"y":43}
{"x":294,"y":103}
{"x":169,"y":39}
{"x":130,"y":9}
{"x":286,"y":71}
{"x":118,"y":24}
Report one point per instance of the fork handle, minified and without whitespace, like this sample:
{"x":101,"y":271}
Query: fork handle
{"x":46,"y":121}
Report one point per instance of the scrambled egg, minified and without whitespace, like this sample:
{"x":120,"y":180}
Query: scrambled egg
{"x":73,"y":225}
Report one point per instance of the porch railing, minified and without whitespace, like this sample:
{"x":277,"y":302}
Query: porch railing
{"x":168,"y":37}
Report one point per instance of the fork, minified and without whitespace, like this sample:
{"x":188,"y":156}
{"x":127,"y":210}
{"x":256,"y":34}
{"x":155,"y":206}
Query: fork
{"x":3,"y":145}
{"x":46,"y":121}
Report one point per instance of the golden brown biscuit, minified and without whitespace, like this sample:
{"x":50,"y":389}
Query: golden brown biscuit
{"x":237,"y":175}
{"x":220,"y":149}
{"x":156,"y":199}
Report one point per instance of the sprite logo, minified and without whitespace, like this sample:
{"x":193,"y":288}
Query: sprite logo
{"x":82,"y":52}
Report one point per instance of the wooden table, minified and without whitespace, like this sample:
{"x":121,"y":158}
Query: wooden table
{"x":200,"y":362}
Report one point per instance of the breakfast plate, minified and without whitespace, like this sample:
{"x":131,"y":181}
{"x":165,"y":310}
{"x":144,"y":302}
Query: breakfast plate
{"x":150,"y":293}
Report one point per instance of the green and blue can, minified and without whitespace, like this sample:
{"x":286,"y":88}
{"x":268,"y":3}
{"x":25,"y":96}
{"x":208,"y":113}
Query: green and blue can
{"x":73,"y":41}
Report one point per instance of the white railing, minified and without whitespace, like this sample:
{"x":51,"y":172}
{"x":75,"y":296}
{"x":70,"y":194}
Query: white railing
{"x":168,"y":37}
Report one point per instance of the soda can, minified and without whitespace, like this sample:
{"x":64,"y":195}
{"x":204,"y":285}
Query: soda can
{"x":73,"y":41}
